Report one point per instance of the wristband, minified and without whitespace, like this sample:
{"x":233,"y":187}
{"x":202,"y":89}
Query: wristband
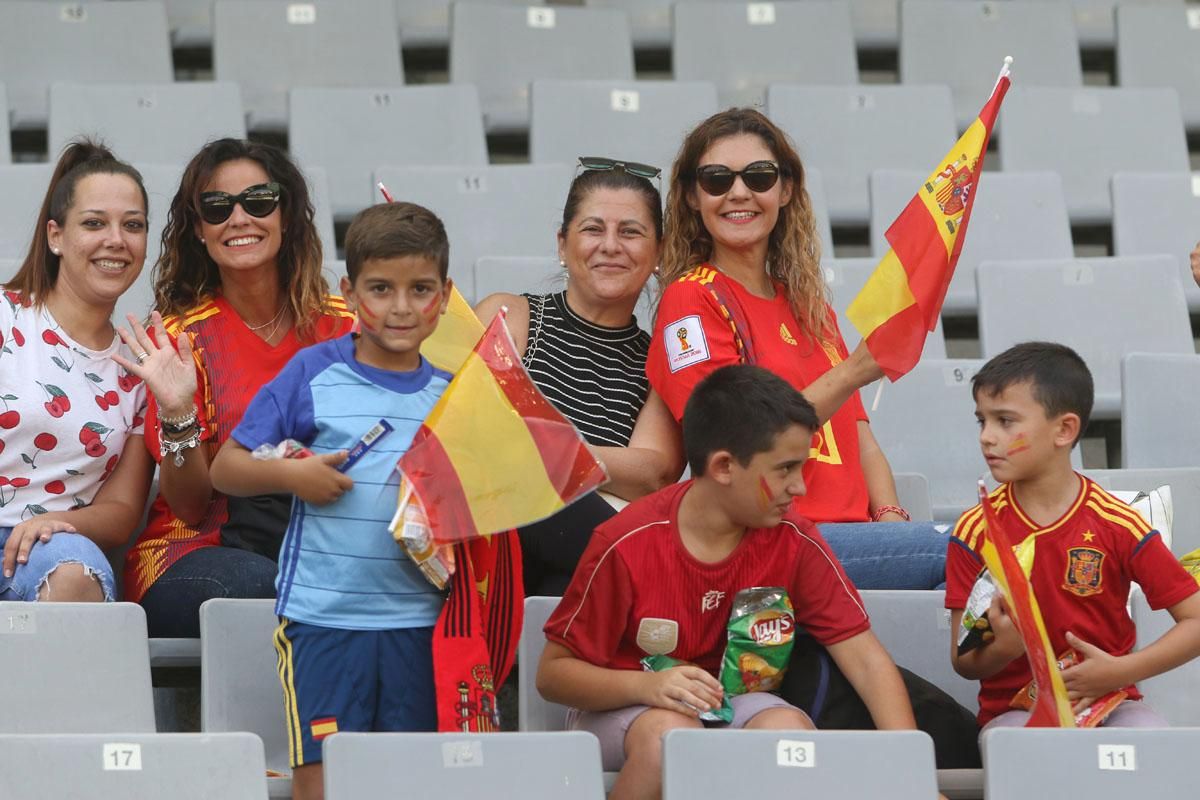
{"x":179,"y":424}
{"x":176,"y":449}
{"x":879,"y":512}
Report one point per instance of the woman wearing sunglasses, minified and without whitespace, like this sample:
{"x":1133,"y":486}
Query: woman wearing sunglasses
{"x":239,"y":286}
{"x":73,"y":471}
{"x":742,"y":283}
{"x":584,"y":350}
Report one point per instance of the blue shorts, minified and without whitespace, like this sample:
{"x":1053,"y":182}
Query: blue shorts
{"x":45,"y":557}
{"x":341,"y":680}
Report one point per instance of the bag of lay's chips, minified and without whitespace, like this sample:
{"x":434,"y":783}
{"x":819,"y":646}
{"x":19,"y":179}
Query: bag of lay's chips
{"x":1089,"y":717}
{"x":761,"y":629}
{"x":660,"y":663}
{"x":1191,"y":562}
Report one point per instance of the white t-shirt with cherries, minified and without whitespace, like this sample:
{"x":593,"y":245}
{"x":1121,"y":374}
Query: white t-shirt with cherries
{"x":65,"y":413}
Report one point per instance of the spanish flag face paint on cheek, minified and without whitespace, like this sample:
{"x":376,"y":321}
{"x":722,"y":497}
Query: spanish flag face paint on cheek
{"x":764,"y":493}
{"x":1020,"y":445}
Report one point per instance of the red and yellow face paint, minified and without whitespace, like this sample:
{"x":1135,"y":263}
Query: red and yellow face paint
{"x":765,"y":494}
{"x":1019,"y":446}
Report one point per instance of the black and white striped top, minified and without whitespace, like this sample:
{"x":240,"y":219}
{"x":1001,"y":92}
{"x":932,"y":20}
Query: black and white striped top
{"x":595,"y":376}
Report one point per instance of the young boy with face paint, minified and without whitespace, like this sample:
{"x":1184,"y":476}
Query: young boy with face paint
{"x":1033,"y":402}
{"x":659,"y":579}
{"x":354,"y":643}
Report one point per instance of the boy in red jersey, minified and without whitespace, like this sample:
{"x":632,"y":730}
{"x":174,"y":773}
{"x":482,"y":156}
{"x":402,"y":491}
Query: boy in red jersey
{"x":660,"y":576}
{"x":1033,"y":402}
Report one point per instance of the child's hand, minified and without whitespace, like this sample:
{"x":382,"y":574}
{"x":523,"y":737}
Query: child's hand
{"x":1008,"y":641}
{"x":1095,"y":676}
{"x":315,"y":479}
{"x":686,"y":689}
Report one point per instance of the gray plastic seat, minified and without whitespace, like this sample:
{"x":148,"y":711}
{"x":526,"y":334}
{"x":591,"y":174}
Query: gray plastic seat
{"x":847,"y":132}
{"x":1102,"y":307}
{"x":41,"y":43}
{"x":239,"y":679}
{"x":51,"y":643}
{"x":912,"y":489}
{"x":1094,"y":20}
{"x":744,"y":47}
{"x":24,"y":187}
{"x":506,"y":766}
{"x":162,"y":182}
{"x":1155,"y":388}
{"x":1039,"y":36}
{"x":349,"y":132}
{"x":426,"y":23}
{"x":319,"y":194}
{"x":846,"y":278}
{"x":190,"y":22}
{"x":270,"y":46}
{"x":717,"y":764}
{"x":5,"y":145}
{"x":504,"y":210}
{"x":141,"y":766}
{"x":1097,"y":132}
{"x":1160,"y":46}
{"x":1185,"y":497}
{"x":1097,"y":763}
{"x":502,"y":50}
{"x":1172,"y":694}
{"x":1158,"y":213}
{"x":627,"y":120}
{"x":1016,"y":215}
{"x":153,"y":123}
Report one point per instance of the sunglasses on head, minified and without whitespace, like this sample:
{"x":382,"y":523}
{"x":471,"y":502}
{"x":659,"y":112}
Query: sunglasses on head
{"x":257,"y":201}
{"x":717,"y":179}
{"x":601,"y":164}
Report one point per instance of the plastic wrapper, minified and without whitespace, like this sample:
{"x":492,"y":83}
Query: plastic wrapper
{"x":661,"y":663}
{"x":410,"y":528}
{"x":288,"y":448}
{"x":975,"y":630}
{"x":760,"y":633}
{"x":1089,"y":717}
{"x":1191,"y":562}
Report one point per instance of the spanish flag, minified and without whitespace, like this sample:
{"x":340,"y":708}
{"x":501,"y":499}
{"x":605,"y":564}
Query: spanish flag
{"x":902,"y":300}
{"x":1051,"y":708}
{"x":494,"y":454}
{"x":457,"y":332}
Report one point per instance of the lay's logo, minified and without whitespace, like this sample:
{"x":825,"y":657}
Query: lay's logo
{"x":772,"y":628}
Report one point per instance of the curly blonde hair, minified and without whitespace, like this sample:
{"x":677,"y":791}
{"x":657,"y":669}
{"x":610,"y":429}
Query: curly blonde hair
{"x":793,"y":251}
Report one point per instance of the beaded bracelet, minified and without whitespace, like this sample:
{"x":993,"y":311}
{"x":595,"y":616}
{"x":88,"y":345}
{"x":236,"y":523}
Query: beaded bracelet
{"x":176,"y":449}
{"x":879,"y":512}
{"x":179,"y":424}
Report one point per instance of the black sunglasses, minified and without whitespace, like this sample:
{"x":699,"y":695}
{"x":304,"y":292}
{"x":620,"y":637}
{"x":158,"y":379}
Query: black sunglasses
{"x":258,"y":201}
{"x":717,"y":179}
{"x":601,"y":164}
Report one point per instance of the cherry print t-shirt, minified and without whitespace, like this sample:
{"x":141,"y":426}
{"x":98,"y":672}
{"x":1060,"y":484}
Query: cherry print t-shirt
{"x":65,"y":413}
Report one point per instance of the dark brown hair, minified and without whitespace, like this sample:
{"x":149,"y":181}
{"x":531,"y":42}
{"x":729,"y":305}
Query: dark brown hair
{"x":591,"y":180}
{"x":1059,"y":378}
{"x":394,"y":230}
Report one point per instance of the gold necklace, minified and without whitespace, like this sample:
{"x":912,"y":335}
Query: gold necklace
{"x":275,"y":319}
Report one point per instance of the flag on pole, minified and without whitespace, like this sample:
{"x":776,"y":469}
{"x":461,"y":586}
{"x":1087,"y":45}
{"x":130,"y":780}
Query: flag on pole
{"x":902,"y":300}
{"x":1051,"y":708}
{"x":494,"y":454}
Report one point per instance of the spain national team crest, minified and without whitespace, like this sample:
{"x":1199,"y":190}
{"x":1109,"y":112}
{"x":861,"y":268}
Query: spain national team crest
{"x":952,"y":189}
{"x":1083,"y":571}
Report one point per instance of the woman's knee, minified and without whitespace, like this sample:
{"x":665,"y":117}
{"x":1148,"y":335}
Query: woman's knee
{"x":72,"y":582}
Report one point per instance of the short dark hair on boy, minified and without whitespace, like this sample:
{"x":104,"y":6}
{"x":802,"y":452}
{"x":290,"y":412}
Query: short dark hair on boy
{"x":395,"y":230}
{"x":741,"y":408}
{"x":1060,"y":380}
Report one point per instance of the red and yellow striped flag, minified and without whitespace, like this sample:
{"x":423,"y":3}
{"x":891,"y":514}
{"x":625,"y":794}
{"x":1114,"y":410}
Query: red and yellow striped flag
{"x":1051,"y":708}
{"x":902,"y":300}
{"x":494,"y":454}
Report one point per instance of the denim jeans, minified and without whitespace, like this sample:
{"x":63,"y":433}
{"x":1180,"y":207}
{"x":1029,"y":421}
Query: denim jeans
{"x":172,"y":604}
{"x":890,"y":555}
{"x":45,"y":557}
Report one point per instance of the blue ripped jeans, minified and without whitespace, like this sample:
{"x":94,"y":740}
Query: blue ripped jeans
{"x":45,"y":557}
{"x":890,"y":555}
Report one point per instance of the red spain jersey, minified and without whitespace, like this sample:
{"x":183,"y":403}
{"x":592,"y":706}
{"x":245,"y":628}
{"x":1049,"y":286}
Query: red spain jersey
{"x":638,"y":591}
{"x":707,"y":320}
{"x":232,"y":364}
{"x":1083,"y":565}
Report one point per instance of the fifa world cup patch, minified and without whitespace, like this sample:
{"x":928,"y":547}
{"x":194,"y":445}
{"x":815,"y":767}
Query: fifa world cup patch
{"x":1084,"y":577}
{"x":657,"y":637}
{"x":325,"y":726}
{"x":685,"y":343}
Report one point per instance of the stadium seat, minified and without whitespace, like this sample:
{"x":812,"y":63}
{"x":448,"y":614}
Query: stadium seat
{"x":88,"y":668}
{"x":845,"y":278}
{"x":1185,"y":497}
{"x":502,"y":49}
{"x":142,"y":766}
{"x":318,"y":192}
{"x":649,"y":20}
{"x":426,"y":23}
{"x":8,"y":268}
{"x":1158,"y":213}
{"x":717,"y":764}
{"x":24,"y":187}
{"x":505,"y":210}
{"x":849,"y":131}
{"x":1173,"y":693}
{"x":42,"y":43}
{"x":5,"y":136}
{"x":1154,"y":388}
{"x":239,"y":679}
{"x":1102,"y":307}
{"x":349,"y":132}
{"x":152,"y":123}
{"x":190,"y":23}
{"x":814,"y":183}
{"x":1159,"y":45}
{"x":505,"y":766}
{"x":627,"y":120}
{"x":744,"y":47}
{"x":270,"y":46}
{"x":1098,"y":131}
{"x":1016,"y":215}
{"x":912,"y":489}
{"x":1098,"y":763}
{"x":162,"y":182}
{"x":1094,"y":20}
{"x":1039,"y":36}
